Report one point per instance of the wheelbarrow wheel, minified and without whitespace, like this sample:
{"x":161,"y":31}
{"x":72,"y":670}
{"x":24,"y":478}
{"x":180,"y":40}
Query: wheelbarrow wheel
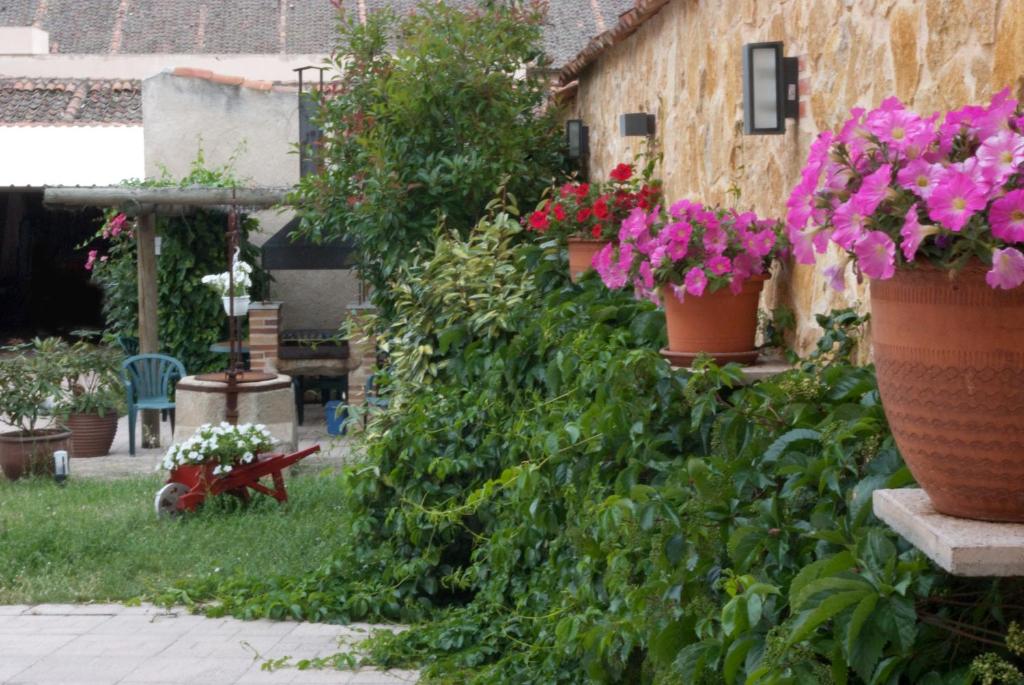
{"x":166,"y":503}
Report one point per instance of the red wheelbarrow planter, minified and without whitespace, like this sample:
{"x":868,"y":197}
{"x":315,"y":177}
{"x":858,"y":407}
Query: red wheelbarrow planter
{"x":189,"y":486}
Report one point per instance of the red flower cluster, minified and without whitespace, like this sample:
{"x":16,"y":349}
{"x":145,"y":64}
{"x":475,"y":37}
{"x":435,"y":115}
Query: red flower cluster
{"x":594,"y":210}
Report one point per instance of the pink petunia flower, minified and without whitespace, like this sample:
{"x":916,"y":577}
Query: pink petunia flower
{"x":91,"y":259}
{"x":872,"y":190}
{"x":719,"y":265}
{"x":876,"y":255}
{"x":913,"y":233}
{"x":1007,"y":269}
{"x":955,"y":199}
{"x":850,"y":225}
{"x":759,"y":244}
{"x":1000,"y":155}
{"x":835,"y":275}
{"x":646,"y":276}
{"x":716,"y":240}
{"x":696,"y":281}
{"x":920,"y":177}
{"x":610,"y":269}
{"x":803,"y":246}
{"x":680,"y":209}
{"x":1006,"y":217}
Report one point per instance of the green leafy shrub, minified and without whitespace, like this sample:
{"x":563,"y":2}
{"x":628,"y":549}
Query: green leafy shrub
{"x":429,"y":111}
{"x":551,"y":503}
{"x":190,"y":314}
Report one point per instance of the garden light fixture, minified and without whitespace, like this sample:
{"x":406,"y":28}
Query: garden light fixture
{"x":636,"y":124}
{"x":770,"y":90}
{"x":577,"y":138}
{"x":61,"y":466}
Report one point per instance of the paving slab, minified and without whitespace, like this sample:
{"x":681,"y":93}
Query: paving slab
{"x":961,"y":546}
{"x":108,"y":644}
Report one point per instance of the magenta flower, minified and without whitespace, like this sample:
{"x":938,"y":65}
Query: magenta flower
{"x":646,"y":276}
{"x":835,"y":275}
{"x":716,"y":240}
{"x":1007,"y":269}
{"x":91,"y":259}
{"x":872,"y":190}
{"x":759,"y":244}
{"x":850,"y":224}
{"x":876,"y":255}
{"x":894,"y":126}
{"x":955,"y":199}
{"x":913,"y":233}
{"x":696,"y":281}
{"x":803,"y":246}
{"x":920,"y":177}
{"x":1000,"y":155}
{"x":680,"y":209}
{"x":611,"y":271}
{"x":1007,"y":217}
{"x":719,"y":265}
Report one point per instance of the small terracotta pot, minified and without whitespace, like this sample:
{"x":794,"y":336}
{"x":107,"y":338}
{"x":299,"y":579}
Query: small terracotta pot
{"x":581,"y":255}
{"x":720,"y":324}
{"x":22,"y":455}
{"x":92,"y":434}
{"x":949,"y":353}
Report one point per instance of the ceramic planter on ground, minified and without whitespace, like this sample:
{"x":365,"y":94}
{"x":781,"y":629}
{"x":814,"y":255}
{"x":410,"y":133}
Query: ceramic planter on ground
{"x":92,"y":434}
{"x":949,"y":352}
{"x":241,"y":305}
{"x":719,"y":324}
{"x":581,"y":255}
{"x":22,"y":455}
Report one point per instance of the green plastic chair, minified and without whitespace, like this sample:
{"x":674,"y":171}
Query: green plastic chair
{"x":149,"y":380}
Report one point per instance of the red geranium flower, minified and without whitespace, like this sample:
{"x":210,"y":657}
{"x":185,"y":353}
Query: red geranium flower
{"x":601,"y":208}
{"x":622,"y":173}
{"x":566,"y":189}
{"x":539,"y":221}
{"x":582,"y":189}
{"x":559,"y":212}
{"x":583,"y":214}
{"x":596,"y":231}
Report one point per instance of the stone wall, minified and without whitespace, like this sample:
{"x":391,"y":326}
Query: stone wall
{"x":684,"y":65}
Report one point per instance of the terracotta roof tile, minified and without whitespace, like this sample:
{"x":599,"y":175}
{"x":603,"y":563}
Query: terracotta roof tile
{"x":70,"y":102}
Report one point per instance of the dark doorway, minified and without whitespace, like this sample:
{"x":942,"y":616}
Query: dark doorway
{"x":44,"y":287}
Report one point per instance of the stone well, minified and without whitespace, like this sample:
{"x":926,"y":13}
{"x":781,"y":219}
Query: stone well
{"x":270,"y":402}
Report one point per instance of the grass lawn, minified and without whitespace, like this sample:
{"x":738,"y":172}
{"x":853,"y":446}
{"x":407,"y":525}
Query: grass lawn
{"x":100,"y":540}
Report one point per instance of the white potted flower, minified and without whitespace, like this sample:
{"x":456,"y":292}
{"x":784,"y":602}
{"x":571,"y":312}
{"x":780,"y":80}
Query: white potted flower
{"x":233,"y":285}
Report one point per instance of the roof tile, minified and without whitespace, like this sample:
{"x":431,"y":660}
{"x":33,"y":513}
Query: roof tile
{"x":70,"y":102}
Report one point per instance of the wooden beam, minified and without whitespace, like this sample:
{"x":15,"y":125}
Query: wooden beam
{"x":149,"y":342}
{"x":194,"y":196}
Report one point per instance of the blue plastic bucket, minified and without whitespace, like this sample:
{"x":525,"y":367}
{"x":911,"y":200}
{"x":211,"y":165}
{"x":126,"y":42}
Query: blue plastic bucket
{"x":336,"y":414}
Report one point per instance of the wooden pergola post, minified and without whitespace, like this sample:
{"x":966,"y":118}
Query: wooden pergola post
{"x":149,"y":341}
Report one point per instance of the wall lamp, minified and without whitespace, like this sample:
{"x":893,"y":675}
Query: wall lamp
{"x":577,"y":138}
{"x":636,"y":124}
{"x":770,"y":88}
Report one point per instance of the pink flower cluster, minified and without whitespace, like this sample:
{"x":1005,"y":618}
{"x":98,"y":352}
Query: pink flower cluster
{"x":892,"y":185}
{"x":690,"y":249}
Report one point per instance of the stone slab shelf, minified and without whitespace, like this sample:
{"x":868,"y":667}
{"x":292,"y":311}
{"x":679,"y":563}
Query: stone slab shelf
{"x":961,"y":546}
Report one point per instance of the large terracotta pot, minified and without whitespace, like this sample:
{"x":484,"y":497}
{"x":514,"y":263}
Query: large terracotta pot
{"x":22,"y":455}
{"x":92,"y":434}
{"x":581,"y":255}
{"x":949,"y":352}
{"x":720,"y":324}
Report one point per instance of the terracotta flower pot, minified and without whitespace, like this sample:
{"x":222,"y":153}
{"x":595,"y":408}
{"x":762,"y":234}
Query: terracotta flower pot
{"x":22,"y":455}
{"x":581,"y":255}
{"x":92,"y":434}
{"x":720,"y":324}
{"x":949,"y":353}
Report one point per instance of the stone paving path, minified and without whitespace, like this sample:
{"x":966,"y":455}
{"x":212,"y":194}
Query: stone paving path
{"x":108,"y":643}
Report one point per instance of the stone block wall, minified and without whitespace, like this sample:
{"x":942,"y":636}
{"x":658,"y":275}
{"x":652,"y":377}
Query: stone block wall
{"x":684,"y":65}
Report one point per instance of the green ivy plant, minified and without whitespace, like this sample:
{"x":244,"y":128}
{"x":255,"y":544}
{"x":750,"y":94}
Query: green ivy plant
{"x":190,"y":314}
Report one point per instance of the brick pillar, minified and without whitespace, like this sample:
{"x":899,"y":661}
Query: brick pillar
{"x":360,"y":347}
{"x":264,"y":331}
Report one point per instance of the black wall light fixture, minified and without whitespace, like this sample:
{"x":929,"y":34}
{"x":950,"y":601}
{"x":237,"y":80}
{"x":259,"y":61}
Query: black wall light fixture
{"x":577,"y":138}
{"x":636,"y":124}
{"x":770,"y":91}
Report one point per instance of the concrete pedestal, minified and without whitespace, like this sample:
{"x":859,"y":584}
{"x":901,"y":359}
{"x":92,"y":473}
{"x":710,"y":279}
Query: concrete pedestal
{"x":961,"y":546}
{"x":271,"y":403}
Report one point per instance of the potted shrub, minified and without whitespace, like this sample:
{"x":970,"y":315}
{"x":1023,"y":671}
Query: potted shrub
{"x":92,"y":399}
{"x":587,"y":216}
{"x":706,"y":265}
{"x":30,"y":384}
{"x":931,"y":210}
